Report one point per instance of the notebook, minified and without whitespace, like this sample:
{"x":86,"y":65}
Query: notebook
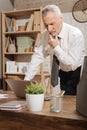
{"x":13,"y":105}
{"x":18,"y":87}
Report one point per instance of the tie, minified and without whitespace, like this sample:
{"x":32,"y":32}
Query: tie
{"x":54,"y":71}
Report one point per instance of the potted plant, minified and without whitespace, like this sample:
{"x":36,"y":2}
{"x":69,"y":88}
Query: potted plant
{"x":35,"y":96}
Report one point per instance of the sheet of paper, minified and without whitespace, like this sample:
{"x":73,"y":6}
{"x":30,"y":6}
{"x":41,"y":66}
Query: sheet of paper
{"x":3,"y":96}
{"x":13,"y":105}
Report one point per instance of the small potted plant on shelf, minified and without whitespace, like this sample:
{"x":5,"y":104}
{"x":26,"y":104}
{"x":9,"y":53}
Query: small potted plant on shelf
{"x":35,"y":96}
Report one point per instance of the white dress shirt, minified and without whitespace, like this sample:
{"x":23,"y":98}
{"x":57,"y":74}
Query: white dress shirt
{"x":70,"y":51}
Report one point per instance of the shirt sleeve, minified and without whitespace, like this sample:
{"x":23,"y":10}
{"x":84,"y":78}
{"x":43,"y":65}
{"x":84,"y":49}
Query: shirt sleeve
{"x":71,"y":57}
{"x":36,"y":60}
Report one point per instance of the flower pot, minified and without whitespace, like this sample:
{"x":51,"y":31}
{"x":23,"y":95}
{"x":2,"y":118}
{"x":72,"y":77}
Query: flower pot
{"x":35,"y":101}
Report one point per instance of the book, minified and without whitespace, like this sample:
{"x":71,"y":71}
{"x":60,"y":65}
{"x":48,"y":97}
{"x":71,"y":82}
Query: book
{"x":7,"y":43}
{"x":13,"y":105}
{"x":30,"y":23}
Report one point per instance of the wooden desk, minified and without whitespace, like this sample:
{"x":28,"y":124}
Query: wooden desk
{"x":68,"y":119}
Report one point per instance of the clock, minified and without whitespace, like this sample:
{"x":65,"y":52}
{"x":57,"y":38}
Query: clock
{"x":79,"y":11}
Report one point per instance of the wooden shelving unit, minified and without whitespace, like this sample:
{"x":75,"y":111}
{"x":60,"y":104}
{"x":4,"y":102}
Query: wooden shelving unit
{"x":10,"y":30}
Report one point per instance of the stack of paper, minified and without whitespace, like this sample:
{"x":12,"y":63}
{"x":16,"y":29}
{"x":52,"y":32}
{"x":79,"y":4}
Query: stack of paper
{"x":13,"y":105}
{"x":3,"y":96}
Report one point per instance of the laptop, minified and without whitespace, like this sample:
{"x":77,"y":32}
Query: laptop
{"x":18,"y":87}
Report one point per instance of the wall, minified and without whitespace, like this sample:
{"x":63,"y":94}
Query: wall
{"x":4,"y":5}
{"x":65,"y":6}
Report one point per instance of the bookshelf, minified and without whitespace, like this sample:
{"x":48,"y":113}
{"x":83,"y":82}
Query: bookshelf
{"x":20,"y":29}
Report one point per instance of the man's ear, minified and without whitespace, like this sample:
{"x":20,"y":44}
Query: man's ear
{"x":61,"y":19}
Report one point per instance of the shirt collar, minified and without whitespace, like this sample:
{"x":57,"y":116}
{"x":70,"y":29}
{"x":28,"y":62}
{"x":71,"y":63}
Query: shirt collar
{"x":62,"y":32}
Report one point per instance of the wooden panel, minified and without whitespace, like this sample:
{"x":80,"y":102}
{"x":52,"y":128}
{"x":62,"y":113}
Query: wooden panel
{"x":68,"y":119}
{"x":25,"y":121}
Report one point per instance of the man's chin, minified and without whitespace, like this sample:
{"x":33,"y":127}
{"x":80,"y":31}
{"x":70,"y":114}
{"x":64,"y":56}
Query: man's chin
{"x":54,"y":34}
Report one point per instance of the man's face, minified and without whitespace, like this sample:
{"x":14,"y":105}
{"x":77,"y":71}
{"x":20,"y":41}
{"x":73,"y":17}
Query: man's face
{"x":52,"y":23}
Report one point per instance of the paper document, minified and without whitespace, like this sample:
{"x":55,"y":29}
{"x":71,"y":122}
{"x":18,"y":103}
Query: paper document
{"x":13,"y":105}
{"x":3,"y":96}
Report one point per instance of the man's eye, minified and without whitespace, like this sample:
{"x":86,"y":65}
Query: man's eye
{"x":46,"y":26}
{"x":51,"y":24}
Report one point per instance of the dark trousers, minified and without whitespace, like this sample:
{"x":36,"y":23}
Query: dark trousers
{"x":69,"y":81}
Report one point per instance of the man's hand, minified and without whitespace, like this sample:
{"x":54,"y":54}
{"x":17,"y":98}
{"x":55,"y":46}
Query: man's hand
{"x":53,"y":41}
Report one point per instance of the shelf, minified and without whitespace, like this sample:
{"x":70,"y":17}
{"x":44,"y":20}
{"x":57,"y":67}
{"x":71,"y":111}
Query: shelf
{"x":18,"y":53}
{"x":22,"y":32}
{"x":47,"y":74}
{"x":38,"y":74}
{"x":15,"y":73}
{"x":18,"y":13}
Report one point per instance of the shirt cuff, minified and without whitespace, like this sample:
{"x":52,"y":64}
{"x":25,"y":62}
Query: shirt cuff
{"x":57,"y":50}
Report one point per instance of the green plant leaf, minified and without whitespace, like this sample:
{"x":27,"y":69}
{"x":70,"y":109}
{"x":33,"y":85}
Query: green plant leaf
{"x":34,"y":88}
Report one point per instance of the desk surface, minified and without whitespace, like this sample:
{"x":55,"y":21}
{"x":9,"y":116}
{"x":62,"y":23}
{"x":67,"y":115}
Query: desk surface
{"x":68,"y":119}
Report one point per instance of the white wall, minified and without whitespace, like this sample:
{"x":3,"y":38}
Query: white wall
{"x":68,"y":18}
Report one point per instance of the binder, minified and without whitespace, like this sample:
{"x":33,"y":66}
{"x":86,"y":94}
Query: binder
{"x":37,"y":20}
{"x":30,"y":23}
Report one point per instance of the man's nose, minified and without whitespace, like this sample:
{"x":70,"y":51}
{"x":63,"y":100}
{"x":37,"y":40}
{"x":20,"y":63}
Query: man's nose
{"x":49,"y":28}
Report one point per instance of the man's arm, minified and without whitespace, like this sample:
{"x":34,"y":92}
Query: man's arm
{"x":72,"y":56}
{"x":33,"y":67}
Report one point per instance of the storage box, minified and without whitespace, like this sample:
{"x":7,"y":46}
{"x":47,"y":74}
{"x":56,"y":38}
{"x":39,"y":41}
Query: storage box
{"x":11,"y":67}
{"x":24,"y":42}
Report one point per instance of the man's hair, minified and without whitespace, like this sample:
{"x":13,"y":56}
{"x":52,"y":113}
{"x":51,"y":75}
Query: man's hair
{"x":53,"y":8}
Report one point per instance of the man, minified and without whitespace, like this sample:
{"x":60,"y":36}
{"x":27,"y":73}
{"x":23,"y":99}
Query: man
{"x":66,"y":43}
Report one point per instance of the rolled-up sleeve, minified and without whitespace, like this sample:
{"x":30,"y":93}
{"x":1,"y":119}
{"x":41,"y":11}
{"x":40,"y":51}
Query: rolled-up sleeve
{"x":71,"y":51}
{"x":36,"y":59}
